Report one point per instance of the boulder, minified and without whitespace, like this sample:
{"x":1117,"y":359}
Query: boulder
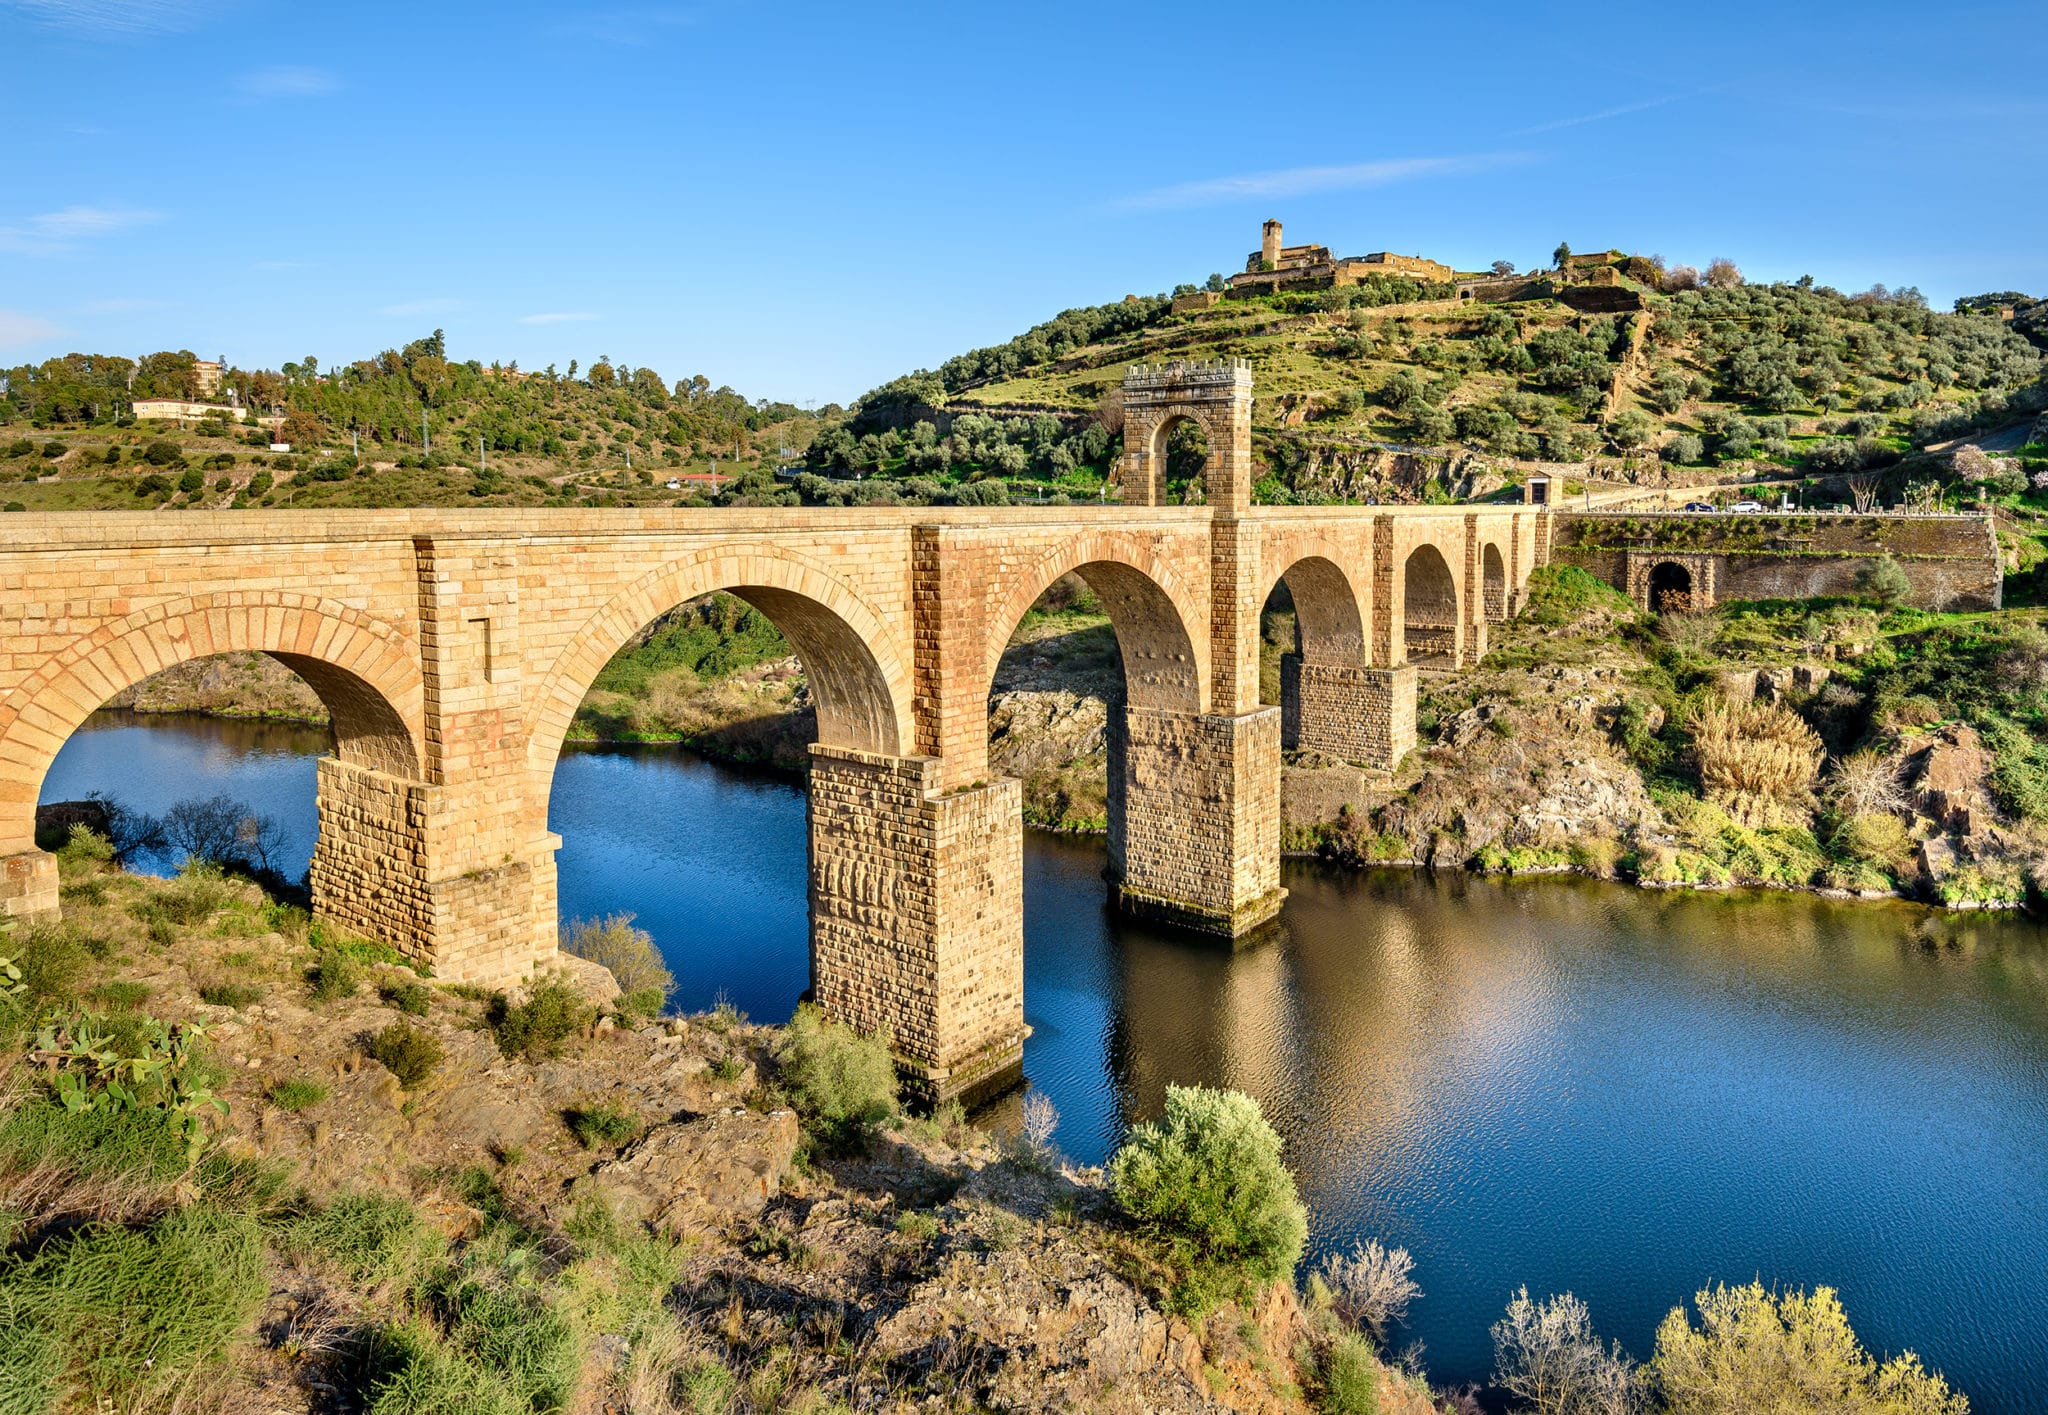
{"x":690,"y":1175}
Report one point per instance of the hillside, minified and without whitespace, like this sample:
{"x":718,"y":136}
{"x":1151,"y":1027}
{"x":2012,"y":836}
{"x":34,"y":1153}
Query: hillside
{"x":1389,"y":389}
{"x":408,"y":427}
{"x":1400,"y":390}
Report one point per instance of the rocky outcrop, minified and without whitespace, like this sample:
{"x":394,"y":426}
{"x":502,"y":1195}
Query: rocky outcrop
{"x":700,"y":1174}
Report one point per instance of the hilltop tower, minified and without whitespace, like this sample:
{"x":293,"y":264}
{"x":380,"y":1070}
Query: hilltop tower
{"x":1269,"y":246}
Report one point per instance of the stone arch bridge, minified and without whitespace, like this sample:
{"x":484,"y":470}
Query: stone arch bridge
{"x":452,"y":649}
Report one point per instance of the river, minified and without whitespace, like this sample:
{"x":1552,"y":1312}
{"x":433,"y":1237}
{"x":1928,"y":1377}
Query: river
{"x":1552,"y":1082}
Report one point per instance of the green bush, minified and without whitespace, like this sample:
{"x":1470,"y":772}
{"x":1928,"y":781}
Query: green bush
{"x":628,"y":953}
{"x":128,"y":1316}
{"x":413,"y":999}
{"x":842,"y":1083}
{"x":1884,"y":580}
{"x":335,"y":975}
{"x":1206,"y":1184}
{"x":297,"y":1094}
{"x":1797,"y":1348}
{"x":537,"y":1028}
{"x":604,"y":1124}
{"x":410,"y":1053}
{"x":1345,"y":1380}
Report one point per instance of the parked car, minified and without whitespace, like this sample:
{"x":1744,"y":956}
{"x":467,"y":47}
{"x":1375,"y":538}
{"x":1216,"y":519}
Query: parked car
{"x":1698,"y":506}
{"x":1747,"y":506}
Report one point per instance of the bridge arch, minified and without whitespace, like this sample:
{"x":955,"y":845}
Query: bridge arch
{"x":1430,"y":604}
{"x":1330,"y":615}
{"x":859,"y":678}
{"x":365,"y":670}
{"x":1164,"y":665}
{"x":1493,"y":583}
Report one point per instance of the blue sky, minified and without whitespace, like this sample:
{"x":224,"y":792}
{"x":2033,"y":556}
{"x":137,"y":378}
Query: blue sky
{"x":803,"y":201}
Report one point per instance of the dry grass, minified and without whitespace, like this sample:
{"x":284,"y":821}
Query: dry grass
{"x":1756,"y":761}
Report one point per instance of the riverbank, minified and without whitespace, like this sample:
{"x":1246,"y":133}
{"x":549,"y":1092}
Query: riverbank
{"x":1835,"y":746}
{"x":358,"y":1186}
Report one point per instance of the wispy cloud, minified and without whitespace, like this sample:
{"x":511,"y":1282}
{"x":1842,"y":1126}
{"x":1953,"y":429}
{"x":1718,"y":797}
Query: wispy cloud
{"x":56,"y":232}
{"x":562,"y":317}
{"x":1297,"y":181}
{"x":287,"y":81}
{"x":630,"y":24}
{"x":19,"y":328}
{"x":437,"y":305}
{"x":1618,"y":111}
{"x":120,"y":306}
{"x":116,"y":18}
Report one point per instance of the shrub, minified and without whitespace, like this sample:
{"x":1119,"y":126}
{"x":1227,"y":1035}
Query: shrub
{"x":1205,"y":1182}
{"x":1345,"y":1380}
{"x":297,"y":1094}
{"x":1788,"y":1352}
{"x":335,"y":975}
{"x":230,"y":994}
{"x":1756,"y":760}
{"x":537,"y":1028}
{"x":1370,"y":1286}
{"x":413,"y":999}
{"x":604,"y":1124}
{"x":842,"y":1083}
{"x":628,"y":953}
{"x":162,"y":454}
{"x":1547,"y":1353}
{"x":410,"y":1053}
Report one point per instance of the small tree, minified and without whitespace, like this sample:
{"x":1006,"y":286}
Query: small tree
{"x":1884,"y":580}
{"x":1546,"y":1352}
{"x":1789,"y":1353}
{"x":1370,"y":1286}
{"x":1502,"y":269}
{"x":1722,"y":274}
{"x":1562,"y":254}
{"x":1206,"y":1184}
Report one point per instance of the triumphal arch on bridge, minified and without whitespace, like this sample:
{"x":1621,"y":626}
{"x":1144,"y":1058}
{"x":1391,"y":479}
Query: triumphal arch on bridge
{"x":452,"y":649}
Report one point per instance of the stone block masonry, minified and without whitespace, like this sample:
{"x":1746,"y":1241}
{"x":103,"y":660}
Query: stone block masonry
{"x":1362,"y":715}
{"x":1951,"y":562}
{"x":917,"y":916}
{"x":1199,"y":846}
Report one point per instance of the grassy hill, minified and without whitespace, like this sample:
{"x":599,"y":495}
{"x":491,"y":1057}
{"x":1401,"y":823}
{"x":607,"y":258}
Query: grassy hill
{"x":1383,"y":388}
{"x":409,"y":427}
{"x":1389,"y":390}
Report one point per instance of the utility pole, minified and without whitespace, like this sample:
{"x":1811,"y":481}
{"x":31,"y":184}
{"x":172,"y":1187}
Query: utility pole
{"x":426,"y":442}
{"x":483,"y":455}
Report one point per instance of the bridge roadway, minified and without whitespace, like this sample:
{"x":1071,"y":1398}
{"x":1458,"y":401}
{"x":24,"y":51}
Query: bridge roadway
{"x":452,"y":649}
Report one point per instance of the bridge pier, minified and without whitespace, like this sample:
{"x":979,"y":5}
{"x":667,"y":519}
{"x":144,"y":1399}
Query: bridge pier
{"x":28,"y":886}
{"x":917,"y":916}
{"x":1363,"y":715}
{"x":380,"y":868}
{"x":1199,"y":842}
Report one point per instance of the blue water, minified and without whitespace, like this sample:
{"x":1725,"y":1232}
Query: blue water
{"x":1574,"y":1086}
